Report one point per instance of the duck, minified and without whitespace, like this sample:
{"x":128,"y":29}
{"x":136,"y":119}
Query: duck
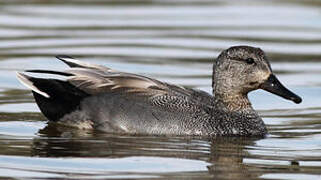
{"x":95,"y":97}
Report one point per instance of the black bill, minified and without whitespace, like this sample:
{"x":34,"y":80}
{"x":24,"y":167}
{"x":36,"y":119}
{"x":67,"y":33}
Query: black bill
{"x":273,"y":85}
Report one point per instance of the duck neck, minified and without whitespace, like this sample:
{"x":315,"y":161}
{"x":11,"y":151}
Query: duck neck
{"x":227,"y":95}
{"x":233,"y":102}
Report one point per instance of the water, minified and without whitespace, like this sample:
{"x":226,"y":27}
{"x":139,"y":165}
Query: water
{"x":174,"y":41}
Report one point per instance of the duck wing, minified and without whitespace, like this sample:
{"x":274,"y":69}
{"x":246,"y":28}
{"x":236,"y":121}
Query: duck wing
{"x":93,"y":82}
{"x":95,"y":79}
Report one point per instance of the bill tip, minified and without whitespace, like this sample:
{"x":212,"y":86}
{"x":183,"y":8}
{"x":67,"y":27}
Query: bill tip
{"x":297,"y":100}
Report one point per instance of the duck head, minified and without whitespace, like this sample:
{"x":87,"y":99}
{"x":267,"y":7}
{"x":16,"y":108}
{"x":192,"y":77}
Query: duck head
{"x":241,"y":69}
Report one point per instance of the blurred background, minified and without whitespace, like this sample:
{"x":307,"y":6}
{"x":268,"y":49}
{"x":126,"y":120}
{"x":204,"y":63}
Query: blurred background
{"x":175,"y":41}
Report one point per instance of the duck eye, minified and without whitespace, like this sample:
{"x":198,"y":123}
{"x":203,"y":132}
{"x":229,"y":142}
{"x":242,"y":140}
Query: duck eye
{"x":249,"y":60}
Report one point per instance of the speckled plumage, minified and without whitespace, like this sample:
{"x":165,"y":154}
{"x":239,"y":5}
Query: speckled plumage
{"x":108,"y":100}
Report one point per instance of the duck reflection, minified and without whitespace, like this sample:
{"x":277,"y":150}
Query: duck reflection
{"x":225,"y":154}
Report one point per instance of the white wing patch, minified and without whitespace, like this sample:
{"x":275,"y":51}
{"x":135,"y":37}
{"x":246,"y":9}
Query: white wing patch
{"x":76,"y":63}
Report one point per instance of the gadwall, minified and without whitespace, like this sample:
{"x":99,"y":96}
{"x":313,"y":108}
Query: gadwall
{"x":97,"y":97}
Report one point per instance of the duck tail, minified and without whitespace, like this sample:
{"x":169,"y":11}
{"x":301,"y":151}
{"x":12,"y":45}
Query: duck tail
{"x":54,"y":97}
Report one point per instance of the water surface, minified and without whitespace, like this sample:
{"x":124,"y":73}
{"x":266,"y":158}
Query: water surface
{"x":174,"y":41}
